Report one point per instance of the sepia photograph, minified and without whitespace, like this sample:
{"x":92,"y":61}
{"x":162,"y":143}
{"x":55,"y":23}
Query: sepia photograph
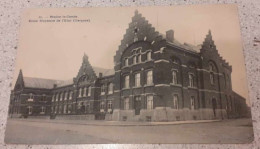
{"x":130,"y":75}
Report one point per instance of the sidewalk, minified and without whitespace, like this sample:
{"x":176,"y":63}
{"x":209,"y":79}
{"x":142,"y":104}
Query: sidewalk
{"x":114,"y":123}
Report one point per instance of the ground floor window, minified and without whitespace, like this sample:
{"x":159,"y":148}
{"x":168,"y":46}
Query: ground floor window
{"x":149,"y":102}
{"x":60,"y":109}
{"x":65,"y":109}
{"x":192,"y":103}
{"x":56,"y":109}
{"x":102,"y":106}
{"x":87,"y":107}
{"x":109,"y":106}
{"x":126,"y":103}
{"x":30,"y":110}
{"x":175,"y":102}
{"x":69,"y":108}
{"x":43,"y":110}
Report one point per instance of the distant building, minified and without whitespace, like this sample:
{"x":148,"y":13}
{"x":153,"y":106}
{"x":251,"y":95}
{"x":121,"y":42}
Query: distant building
{"x":155,"y":78}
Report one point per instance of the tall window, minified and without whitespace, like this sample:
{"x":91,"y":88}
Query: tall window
{"x":30,"y":110}
{"x":57,"y":96}
{"x":65,"y":109}
{"x":211,"y":74}
{"x":174,"y":77}
{"x":110,"y":88}
{"x":225,"y":81}
{"x":149,"y":56}
{"x":126,"y":103}
{"x":61,"y":95}
{"x":69,"y":108}
{"x":103,"y":89}
{"x":80,"y":91}
{"x":109,"y":106}
{"x":87,"y":107}
{"x":149,"y":102}
{"x":149,"y":77}
{"x":30,"y":97}
{"x":102,"y":106}
{"x":192,"y":102}
{"x":89,"y":90}
{"x":134,"y":60}
{"x":191,"y":80}
{"x":71,"y":93}
{"x":85,"y":92}
{"x":175,"y":102}
{"x":43,"y":110}
{"x":139,"y":58}
{"x":126,"y":62}
{"x":137,"y":80}
{"x":53,"y":98}
{"x":66,"y":95}
{"x":126,"y":82}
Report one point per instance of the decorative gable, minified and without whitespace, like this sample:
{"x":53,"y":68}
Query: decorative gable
{"x":86,"y":73}
{"x":19,"y":82}
{"x":139,"y":30}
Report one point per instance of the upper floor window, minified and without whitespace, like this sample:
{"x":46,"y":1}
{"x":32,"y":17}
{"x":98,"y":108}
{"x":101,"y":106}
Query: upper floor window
{"x":139,"y":58}
{"x":126,"y":62}
{"x":66,"y":95}
{"x":80,"y":92}
{"x":149,"y":99}
{"x":134,"y":60}
{"x":110,"y":88}
{"x":43,"y":110}
{"x":57,"y":96}
{"x":71,"y":93}
{"x":149,"y":56}
{"x":225,"y":81}
{"x":30,"y":97}
{"x":174,"y":77}
{"x":103,"y":89}
{"x":109,"y":106}
{"x":137,"y":80}
{"x":126,"y":82}
{"x":175,"y":102}
{"x":53,"y":98}
{"x":43,"y":97}
{"x":149,"y":77}
{"x":191,"y":80}
{"x":89,"y":90}
{"x":211,"y":74}
{"x":102,"y":106}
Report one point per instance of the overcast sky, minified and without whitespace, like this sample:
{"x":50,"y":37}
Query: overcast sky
{"x":55,"y":50}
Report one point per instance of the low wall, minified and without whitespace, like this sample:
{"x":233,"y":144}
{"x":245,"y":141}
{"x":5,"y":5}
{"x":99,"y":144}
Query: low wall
{"x":75,"y":117}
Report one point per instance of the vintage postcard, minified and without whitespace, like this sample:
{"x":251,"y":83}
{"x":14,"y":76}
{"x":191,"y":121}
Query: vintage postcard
{"x":130,"y":75}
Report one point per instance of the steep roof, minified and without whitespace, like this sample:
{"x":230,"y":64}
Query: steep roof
{"x":39,"y":82}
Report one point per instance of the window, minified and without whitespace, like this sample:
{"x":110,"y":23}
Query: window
{"x":126,"y":104}
{"x":175,"y":102}
{"x":139,"y":58}
{"x":52,"y":109}
{"x":66,"y":95}
{"x":110,"y":88}
{"x":149,"y":56}
{"x":126,"y":62}
{"x":137,"y":80}
{"x":87,"y":107}
{"x":109,"y":106}
{"x":192,"y":103}
{"x":102,"y":106}
{"x":103,"y":89}
{"x":149,"y":77}
{"x":225,"y":81}
{"x":71,"y":93}
{"x":61,"y":95}
{"x":43,"y":97}
{"x":174,"y":77}
{"x":191,"y":80}
{"x":65,"y":109}
{"x":134,"y":60}
{"x":69,"y":108}
{"x":42,"y":110}
{"x":56,"y":109}
{"x":211,"y":74}
{"x":85,"y":92}
{"x":30,"y":110}
{"x":57,"y":96}
{"x":80,"y":91}
{"x":89,"y":91}
{"x":149,"y":102}
{"x":60,"y":109}
{"x":126,"y":83}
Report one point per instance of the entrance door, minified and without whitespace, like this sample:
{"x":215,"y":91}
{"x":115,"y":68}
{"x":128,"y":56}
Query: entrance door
{"x":214,"y":106}
{"x":137,"y":105}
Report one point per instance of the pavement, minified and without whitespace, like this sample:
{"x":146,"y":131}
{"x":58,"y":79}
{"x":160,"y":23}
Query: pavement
{"x":37,"y":131}
{"x":113,"y":123}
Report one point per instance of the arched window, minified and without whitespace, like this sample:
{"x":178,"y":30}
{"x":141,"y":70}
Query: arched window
{"x":137,"y":80}
{"x":134,"y":60}
{"x":149,"y":56}
{"x":66,"y":94}
{"x":149,"y":77}
{"x":192,"y":102}
{"x":149,"y":99}
{"x":80,"y":91}
{"x":191,"y":80}
{"x":71,"y":93}
{"x":61,"y":96}
{"x":139,"y":58}
{"x":174,"y":77}
{"x":85,"y":92}
{"x":110,"y":88}
{"x":126,"y":62}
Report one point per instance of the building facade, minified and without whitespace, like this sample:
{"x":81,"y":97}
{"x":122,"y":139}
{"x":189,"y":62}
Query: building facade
{"x":155,"y":78}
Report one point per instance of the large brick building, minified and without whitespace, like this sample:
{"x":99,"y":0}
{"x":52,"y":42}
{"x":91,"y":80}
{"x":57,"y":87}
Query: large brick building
{"x":155,"y":78}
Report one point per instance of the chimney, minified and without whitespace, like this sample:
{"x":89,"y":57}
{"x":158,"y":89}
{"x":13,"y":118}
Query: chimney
{"x":100,"y":75}
{"x":169,"y":35}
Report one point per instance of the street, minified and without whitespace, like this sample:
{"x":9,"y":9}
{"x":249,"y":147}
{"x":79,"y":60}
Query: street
{"x":51,"y":132}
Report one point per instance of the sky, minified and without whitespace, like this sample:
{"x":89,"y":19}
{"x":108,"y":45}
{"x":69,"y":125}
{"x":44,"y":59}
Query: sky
{"x":54,"y":50}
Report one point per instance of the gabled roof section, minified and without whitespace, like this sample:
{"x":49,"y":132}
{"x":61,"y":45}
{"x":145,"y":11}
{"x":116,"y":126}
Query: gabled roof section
{"x":39,"y":83}
{"x":86,"y":68}
{"x":139,"y":30}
